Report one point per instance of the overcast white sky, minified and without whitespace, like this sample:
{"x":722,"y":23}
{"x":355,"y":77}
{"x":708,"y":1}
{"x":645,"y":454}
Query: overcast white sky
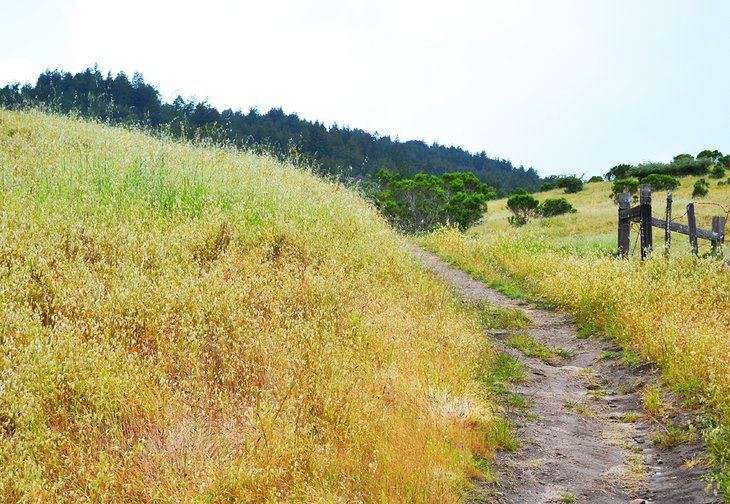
{"x":564,"y":86}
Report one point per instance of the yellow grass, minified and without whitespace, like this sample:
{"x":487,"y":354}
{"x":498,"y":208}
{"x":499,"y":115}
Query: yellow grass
{"x":192,"y":324}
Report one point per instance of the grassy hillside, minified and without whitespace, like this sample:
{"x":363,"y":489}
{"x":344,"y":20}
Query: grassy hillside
{"x":198,"y":324}
{"x":674,"y":311}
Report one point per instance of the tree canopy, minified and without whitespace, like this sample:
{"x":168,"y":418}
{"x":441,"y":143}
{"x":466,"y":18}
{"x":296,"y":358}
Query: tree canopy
{"x":427,"y":201}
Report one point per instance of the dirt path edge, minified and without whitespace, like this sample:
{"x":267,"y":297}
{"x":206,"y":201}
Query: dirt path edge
{"x":584,"y":436}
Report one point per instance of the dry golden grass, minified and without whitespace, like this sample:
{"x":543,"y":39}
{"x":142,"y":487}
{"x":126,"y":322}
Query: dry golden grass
{"x":193,"y":324}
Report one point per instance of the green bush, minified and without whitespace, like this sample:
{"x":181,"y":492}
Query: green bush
{"x":595,"y":178}
{"x":571,"y":184}
{"x":555,"y":206}
{"x":701,"y":188}
{"x":683,"y":165}
{"x":621,"y":186}
{"x":717,"y":171}
{"x":427,"y":201}
{"x":659,"y":182}
{"x":548,"y":185}
{"x":523,"y":207}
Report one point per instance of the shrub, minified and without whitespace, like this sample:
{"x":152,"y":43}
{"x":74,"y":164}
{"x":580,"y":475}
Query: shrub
{"x":571,"y":184}
{"x":595,"y":178}
{"x":683,"y":165}
{"x":523,"y":207}
{"x":659,"y":182}
{"x":427,"y":201}
{"x":555,"y":206}
{"x":621,"y":186}
{"x":701,"y":188}
{"x":548,"y":185}
{"x":717,"y":171}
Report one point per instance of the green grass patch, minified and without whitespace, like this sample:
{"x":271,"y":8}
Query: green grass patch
{"x":495,"y":317}
{"x":717,"y":444}
{"x":566,"y":497}
{"x":630,"y":417}
{"x":533,"y":349}
{"x":627,"y":357}
{"x":516,"y":401}
{"x":672,"y":434}
{"x":565,"y":353}
{"x":483,"y":471}
{"x":503,"y":371}
{"x":509,"y":288}
{"x":610,"y":355}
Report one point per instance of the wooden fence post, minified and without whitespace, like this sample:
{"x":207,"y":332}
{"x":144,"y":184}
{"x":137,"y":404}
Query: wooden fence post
{"x":668,"y":219}
{"x":624,"y":226}
{"x":645,"y":218}
{"x":692,"y":224}
{"x":718,"y":227}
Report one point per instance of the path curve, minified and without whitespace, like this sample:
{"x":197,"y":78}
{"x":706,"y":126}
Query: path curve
{"x":575,"y":440}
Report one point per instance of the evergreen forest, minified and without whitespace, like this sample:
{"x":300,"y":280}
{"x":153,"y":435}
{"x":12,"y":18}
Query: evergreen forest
{"x":352,"y":154}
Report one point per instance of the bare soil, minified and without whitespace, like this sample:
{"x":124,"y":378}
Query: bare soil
{"x":584,"y":435}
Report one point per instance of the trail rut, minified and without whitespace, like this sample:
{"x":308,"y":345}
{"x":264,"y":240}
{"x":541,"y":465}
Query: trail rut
{"x":583,"y":436}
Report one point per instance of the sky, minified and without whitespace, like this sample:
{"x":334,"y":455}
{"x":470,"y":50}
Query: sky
{"x":563,"y":86}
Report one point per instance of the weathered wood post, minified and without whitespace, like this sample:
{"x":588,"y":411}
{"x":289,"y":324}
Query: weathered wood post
{"x":718,"y":227}
{"x":668,"y":219}
{"x":624,"y":225}
{"x":692,"y":225}
{"x":645,"y":219}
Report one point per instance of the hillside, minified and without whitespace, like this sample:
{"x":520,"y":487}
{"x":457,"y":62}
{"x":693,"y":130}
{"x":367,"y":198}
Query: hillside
{"x":196,"y":324}
{"x":343,"y":151}
{"x":673,"y":311}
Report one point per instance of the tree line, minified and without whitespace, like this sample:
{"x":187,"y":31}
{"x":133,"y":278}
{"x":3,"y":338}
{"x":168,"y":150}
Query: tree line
{"x":342,"y":151}
{"x":711,"y":162}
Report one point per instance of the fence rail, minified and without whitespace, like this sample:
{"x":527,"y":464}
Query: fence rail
{"x":642,"y":214}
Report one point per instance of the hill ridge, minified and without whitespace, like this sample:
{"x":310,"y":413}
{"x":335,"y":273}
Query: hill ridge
{"x":346,"y":152}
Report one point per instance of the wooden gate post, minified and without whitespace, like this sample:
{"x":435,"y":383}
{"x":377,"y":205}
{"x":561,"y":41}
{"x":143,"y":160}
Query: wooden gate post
{"x":718,"y":227}
{"x":645,"y":218}
{"x":692,"y":225}
{"x":667,"y":220}
{"x":624,"y":225}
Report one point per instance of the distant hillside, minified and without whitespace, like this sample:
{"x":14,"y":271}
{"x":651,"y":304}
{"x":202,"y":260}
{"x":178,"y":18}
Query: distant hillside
{"x":337,"y":150}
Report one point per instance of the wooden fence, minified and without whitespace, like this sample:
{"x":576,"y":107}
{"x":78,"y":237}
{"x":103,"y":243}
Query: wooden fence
{"x":642,"y":214}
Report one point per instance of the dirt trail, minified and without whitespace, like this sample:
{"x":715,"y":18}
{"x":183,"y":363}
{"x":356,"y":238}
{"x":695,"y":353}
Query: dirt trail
{"x":577,"y":440}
